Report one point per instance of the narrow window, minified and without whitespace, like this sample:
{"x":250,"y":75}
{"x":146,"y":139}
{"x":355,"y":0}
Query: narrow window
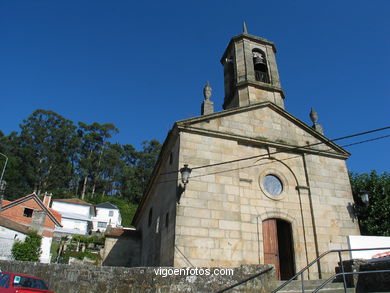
{"x":260,"y":66}
{"x":28,"y":212}
{"x":158,"y":225}
{"x":166,"y":220}
{"x":150,"y":217}
{"x":110,"y":213}
{"x":171,"y":159}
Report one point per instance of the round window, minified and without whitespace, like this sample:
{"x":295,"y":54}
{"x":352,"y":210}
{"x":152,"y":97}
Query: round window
{"x":272,"y":184}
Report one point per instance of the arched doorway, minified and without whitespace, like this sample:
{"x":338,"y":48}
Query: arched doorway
{"x":278,"y":247}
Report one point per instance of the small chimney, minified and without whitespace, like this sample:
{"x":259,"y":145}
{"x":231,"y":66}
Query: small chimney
{"x":47,"y":199}
{"x":38,"y":221}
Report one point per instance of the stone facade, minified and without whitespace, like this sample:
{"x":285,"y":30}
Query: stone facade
{"x":218,"y":218}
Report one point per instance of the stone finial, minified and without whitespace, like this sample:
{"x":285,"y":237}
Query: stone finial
{"x":314,"y":119}
{"x":207,"y":91}
{"x":245,"y":31}
{"x":313,"y":116}
{"x":207,"y":105}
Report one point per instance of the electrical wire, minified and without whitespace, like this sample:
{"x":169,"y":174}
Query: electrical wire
{"x":294,"y":149}
{"x":266,"y":155}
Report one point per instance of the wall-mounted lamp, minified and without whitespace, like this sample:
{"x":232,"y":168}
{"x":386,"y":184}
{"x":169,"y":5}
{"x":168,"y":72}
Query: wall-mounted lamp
{"x":185,"y":174}
{"x":364,"y":197}
{"x":355,"y":208}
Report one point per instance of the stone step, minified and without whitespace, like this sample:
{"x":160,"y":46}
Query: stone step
{"x":328,"y":290}
{"x":311,"y":285}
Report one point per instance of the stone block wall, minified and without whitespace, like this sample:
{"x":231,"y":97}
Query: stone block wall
{"x":92,"y":279}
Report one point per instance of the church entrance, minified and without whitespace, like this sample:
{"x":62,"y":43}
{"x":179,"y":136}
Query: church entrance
{"x":278,"y":247}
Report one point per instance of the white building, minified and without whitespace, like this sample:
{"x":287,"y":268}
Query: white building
{"x":106,"y":214}
{"x":76,"y":216}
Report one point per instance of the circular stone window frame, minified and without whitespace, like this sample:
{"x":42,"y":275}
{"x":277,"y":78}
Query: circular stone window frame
{"x":282,"y":179}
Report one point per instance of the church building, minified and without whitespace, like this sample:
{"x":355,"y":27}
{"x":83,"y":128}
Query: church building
{"x":259,"y":186}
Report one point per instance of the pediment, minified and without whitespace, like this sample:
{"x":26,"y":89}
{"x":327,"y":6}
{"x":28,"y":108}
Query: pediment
{"x":264,"y":124}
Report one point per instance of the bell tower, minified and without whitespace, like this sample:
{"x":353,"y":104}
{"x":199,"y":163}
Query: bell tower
{"x":250,"y":72}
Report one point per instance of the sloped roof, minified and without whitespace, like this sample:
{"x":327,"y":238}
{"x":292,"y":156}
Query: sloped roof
{"x":74,"y":216}
{"x":74,"y":201}
{"x":194,"y":125}
{"x":7,"y":223}
{"x":118,"y":232}
{"x":54,"y":216}
{"x":107,"y":205}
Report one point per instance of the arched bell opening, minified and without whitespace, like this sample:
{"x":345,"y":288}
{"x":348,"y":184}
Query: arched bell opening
{"x":260,"y":66}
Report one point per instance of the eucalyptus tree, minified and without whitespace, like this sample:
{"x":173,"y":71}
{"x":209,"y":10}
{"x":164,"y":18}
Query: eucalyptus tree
{"x":48,"y":143}
{"x":94,"y":139}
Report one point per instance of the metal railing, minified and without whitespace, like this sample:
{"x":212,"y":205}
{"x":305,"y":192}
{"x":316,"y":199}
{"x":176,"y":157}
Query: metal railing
{"x":245,"y":280}
{"x":347,"y":273}
{"x":343,"y":273}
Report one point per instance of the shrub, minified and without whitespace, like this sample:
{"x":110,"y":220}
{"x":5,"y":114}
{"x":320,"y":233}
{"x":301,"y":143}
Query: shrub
{"x":29,"y":250}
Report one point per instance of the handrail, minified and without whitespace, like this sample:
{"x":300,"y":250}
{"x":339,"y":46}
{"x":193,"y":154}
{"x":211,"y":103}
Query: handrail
{"x":339,"y":251}
{"x":347,"y":273}
{"x":245,"y":280}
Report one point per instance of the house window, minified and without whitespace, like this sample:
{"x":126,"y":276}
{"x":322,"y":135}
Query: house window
{"x":110,"y":213}
{"x":28,"y":212}
{"x":102,"y":224}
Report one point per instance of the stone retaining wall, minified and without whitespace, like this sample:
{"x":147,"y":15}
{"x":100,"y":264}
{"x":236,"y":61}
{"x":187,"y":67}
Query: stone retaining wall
{"x":91,"y":279}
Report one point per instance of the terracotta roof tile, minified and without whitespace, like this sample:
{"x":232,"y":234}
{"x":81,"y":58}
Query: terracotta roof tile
{"x":117,"y":232}
{"x":56,"y":214}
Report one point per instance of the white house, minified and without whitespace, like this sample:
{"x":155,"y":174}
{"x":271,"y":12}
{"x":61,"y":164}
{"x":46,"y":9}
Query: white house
{"x":106,"y":214}
{"x":76,"y":216}
{"x":9,"y":233}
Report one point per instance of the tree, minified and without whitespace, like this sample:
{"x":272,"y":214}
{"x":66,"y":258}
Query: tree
{"x":374,"y":217}
{"x":93,"y":143}
{"x":29,"y":250}
{"x":52,"y":155}
{"x":47,"y":146}
{"x":143,"y":164}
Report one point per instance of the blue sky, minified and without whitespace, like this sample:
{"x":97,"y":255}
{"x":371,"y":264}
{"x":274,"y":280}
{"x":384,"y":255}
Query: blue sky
{"x":143,"y":64}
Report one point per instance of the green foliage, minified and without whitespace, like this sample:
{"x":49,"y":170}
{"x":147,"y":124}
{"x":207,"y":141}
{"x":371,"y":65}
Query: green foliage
{"x":97,"y":240}
{"x":79,"y":255}
{"x":374,"y":218}
{"x":52,"y":154}
{"x":29,"y":250}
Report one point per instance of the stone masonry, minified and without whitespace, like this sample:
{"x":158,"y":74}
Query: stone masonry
{"x":217,"y":218}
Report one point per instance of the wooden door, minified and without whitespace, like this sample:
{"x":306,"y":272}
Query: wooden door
{"x":270,"y":243}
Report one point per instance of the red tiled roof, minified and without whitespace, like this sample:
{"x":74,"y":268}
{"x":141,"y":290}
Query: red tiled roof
{"x":5,"y":202}
{"x":56,"y":214}
{"x":117,"y":232}
{"x":74,"y":201}
{"x":56,"y":218}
